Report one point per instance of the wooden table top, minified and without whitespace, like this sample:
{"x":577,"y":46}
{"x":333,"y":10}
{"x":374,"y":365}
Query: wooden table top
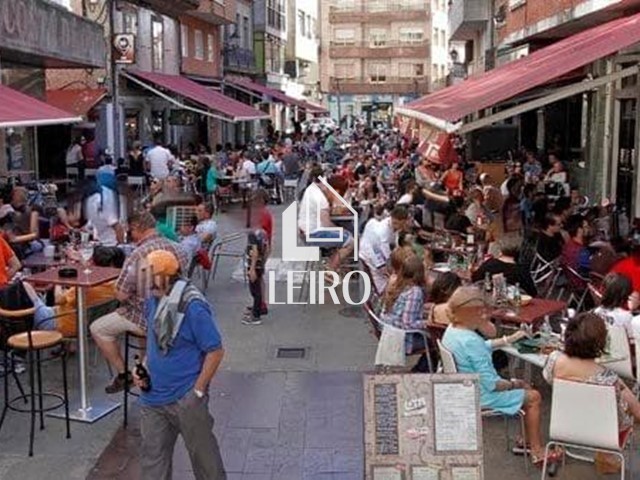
{"x":98,"y":276}
{"x":530,"y":314}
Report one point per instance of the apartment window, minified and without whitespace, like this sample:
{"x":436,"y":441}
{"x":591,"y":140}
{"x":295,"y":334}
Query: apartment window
{"x":378,"y":72}
{"x":410,"y":70}
{"x":276,"y":14}
{"x":198,"y":41}
{"x":443,"y":39}
{"x":377,"y":38}
{"x":130,"y":22}
{"x":210,"y":52}
{"x":157,"y":43}
{"x":344,"y":36}
{"x":376,"y":5}
{"x":346,"y":5}
{"x":302,"y":23}
{"x":309,"y":32}
{"x":274,"y":55}
{"x":184,"y":40}
{"x":344,"y":71}
{"x":414,"y":35}
{"x":245,"y":32}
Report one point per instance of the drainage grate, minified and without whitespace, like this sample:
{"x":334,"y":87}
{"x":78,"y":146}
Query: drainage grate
{"x":291,"y":352}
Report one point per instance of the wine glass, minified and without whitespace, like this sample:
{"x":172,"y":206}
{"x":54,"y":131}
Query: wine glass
{"x":86,"y":252}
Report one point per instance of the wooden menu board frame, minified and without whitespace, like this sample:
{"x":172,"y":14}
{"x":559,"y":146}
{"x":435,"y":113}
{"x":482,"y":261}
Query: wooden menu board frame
{"x":402,"y":414}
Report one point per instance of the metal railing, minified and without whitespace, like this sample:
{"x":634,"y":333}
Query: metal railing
{"x":369,"y":6}
{"x":380,"y":45}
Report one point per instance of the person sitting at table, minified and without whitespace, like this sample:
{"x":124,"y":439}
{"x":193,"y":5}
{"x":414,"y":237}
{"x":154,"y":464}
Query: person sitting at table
{"x":23,"y":224}
{"x":443,"y":287}
{"x":403,"y":304}
{"x":63,"y":316}
{"x":473,"y":354}
{"x":575,"y":253}
{"x":585,"y":340}
{"x":189,"y":238}
{"x":9,"y":262}
{"x":129,"y":317}
{"x":616,"y":301}
{"x":314,"y":221}
{"x":207,"y":228}
{"x":452,"y":178}
{"x":457,"y":221}
{"x":506,"y":263}
{"x":376,"y":241}
{"x":550,"y":241}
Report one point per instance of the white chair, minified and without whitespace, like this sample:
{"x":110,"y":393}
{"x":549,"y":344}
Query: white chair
{"x":379,"y":325}
{"x":619,"y":347}
{"x":448,"y":363}
{"x":585,"y":416}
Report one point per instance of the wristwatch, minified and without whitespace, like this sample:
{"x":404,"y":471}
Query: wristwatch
{"x":199,"y":393}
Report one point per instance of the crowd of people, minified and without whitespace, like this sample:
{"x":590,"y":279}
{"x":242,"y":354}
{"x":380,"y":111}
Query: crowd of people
{"x":428,"y":229}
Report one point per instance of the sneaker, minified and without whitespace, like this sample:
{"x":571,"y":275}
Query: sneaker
{"x":250,"y":320}
{"x":263,"y":309}
{"x":118,"y":383}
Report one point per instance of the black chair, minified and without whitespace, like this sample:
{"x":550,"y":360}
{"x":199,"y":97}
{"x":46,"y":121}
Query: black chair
{"x":16,"y":325}
{"x":129,"y":344}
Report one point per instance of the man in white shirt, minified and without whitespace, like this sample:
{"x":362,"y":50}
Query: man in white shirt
{"x":102,"y":212}
{"x":314,"y":220}
{"x":376,"y":242}
{"x":159,"y":160}
{"x":248,"y":167}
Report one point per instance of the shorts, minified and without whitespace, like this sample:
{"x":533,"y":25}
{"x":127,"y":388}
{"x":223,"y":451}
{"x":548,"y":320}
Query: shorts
{"x":347,"y":239}
{"x":111,"y":326}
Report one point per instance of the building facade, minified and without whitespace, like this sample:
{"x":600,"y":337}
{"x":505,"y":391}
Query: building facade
{"x":301,"y":52}
{"x":237,"y":50}
{"x":36,"y":35}
{"x":270,"y":40}
{"x":376,"y":55}
{"x":471,"y":26}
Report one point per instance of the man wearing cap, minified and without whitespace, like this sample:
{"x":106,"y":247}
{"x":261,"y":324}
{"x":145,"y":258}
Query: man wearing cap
{"x":130,"y":292}
{"x":184,"y":351}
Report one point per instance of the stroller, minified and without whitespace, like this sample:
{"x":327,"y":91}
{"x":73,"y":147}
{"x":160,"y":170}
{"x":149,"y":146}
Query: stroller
{"x":272,"y":183}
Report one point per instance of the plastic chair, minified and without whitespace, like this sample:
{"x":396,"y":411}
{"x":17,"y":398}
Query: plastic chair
{"x":619,"y":346}
{"x":588,"y":425}
{"x":544,"y":275}
{"x":449,"y":366}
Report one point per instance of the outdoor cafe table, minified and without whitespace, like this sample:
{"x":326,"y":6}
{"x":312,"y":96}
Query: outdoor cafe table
{"x":84,"y":411}
{"x":39,"y":260}
{"x":530,"y":314}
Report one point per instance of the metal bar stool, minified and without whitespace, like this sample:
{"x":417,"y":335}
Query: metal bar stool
{"x":128,"y":343}
{"x":18,"y":334}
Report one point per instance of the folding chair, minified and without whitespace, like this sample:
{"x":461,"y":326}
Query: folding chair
{"x":586,"y":425}
{"x":219,"y":250}
{"x":578,"y":288}
{"x":544,"y":275}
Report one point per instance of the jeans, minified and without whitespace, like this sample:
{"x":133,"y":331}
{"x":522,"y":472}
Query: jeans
{"x":160,"y":426}
{"x":43,"y":317}
{"x":255,"y":288}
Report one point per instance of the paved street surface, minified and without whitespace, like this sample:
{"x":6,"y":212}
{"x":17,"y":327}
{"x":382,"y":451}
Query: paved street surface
{"x":276,"y":419}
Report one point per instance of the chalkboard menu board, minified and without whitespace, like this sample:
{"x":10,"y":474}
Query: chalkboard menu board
{"x":385,"y":405}
{"x":423,"y":427}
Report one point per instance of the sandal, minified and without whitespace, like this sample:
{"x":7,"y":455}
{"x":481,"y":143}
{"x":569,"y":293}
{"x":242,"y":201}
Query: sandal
{"x":520,"y":447}
{"x":554,"y":456}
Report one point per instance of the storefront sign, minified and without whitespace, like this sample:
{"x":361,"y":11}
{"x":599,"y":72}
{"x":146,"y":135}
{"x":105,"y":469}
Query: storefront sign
{"x":43,"y":31}
{"x":123,"y":48}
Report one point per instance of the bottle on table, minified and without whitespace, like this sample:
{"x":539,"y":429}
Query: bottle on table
{"x":488,"y":284}
{"x":142,"y":373}
{"x":517,"y":296}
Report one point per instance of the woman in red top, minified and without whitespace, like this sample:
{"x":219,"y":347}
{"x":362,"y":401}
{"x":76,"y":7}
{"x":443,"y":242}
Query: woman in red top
{"x":452,"y":178}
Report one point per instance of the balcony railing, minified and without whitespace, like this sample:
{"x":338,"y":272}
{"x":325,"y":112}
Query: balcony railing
{"x":240,"y":59}
{"x":381,"y":84}
{"x":380,"y":45}
{"x":389,"y":49}
{"x":369,"y":6}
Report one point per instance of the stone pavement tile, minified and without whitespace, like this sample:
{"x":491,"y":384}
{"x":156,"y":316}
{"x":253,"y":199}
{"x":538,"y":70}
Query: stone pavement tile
{"x":263,"y":438}
{"x":317,"y":461}
{"x":291,"y":436}
{"x":257,"y":476}
{"x":319,"y":476}
{"x":287,"y":463}
{"x":235,"y":448}
{"x":348,"y":460}
{"x":259,"y":460}
{"x":257,"y":401}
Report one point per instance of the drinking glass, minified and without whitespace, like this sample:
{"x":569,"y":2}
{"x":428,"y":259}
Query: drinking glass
{"x":86,"y":252}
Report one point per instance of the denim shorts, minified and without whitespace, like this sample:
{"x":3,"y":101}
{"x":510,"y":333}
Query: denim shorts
{"x":325,"y":235}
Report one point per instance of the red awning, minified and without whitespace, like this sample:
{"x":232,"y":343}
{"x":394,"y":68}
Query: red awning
{"x":314,"y":109}
{"x":20,"y":110}
{"x":77,"y":101}
{"x":445,"y":107}
{"x":217,"y":102}
{"x":276,"y":95}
